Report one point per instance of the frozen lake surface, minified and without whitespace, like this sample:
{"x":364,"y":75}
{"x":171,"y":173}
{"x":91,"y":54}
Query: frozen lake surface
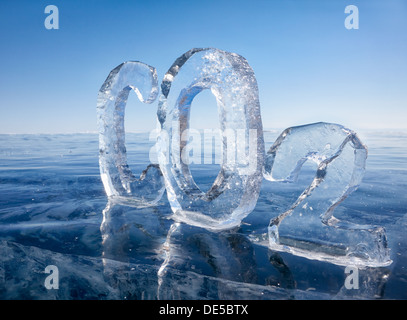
{"x":54,"y":211}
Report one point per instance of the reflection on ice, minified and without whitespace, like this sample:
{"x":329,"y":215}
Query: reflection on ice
{"x":145,"y":255}
{"x":84,"y":277}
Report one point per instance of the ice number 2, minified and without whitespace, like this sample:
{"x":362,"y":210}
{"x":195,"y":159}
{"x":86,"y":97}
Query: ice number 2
{"x":309,"y":224}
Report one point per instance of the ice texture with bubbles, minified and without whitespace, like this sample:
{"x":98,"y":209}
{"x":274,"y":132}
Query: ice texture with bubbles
{"x":119,"y":181}
{"x":234,"y":192}
{"x":308,"y":227}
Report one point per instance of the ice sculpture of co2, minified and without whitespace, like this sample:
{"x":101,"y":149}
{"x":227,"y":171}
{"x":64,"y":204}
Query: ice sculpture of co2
{"x":308,"y":228}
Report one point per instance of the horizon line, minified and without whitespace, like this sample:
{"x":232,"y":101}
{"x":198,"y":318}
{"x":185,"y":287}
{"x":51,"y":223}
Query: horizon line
{"x":145,"y":131}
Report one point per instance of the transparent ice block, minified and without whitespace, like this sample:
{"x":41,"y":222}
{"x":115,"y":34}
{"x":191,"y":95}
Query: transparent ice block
{"x":308,"y":228}
{"x":119,"y":181}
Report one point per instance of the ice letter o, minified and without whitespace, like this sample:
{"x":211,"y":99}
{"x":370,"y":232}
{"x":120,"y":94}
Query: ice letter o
{"x":235,"y":191}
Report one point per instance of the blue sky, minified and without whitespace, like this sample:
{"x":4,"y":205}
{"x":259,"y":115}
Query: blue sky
{"x":308,"y":65}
